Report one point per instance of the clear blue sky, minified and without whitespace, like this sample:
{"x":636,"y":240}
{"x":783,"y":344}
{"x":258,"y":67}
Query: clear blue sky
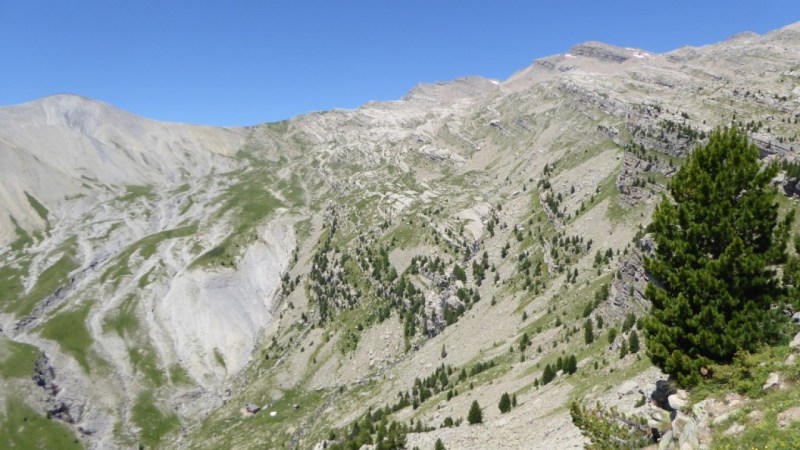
{"x":244,"y":62}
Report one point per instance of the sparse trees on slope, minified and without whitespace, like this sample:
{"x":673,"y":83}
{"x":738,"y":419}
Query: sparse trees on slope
{"x":713,"y":287}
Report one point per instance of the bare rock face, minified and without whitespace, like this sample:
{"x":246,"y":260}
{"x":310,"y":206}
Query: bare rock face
{"x":627,"y":289}
{"x":59,"y":408}
{"x":229,"y":307}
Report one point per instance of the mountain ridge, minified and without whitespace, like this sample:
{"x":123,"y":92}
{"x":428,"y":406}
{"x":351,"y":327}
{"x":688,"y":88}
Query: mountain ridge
{"x":203,"y":269}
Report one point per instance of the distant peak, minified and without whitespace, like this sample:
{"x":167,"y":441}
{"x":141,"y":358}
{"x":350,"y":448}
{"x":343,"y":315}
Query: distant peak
{"x":72,"y":111}
{"x":66,"y":96}
{"x":606,"y":52}
{"x":459,"y":88}
{"x":792,"y":26}
{"x":747,"y":35}
{"x":64,"y":100}
{"x":63,"y":104}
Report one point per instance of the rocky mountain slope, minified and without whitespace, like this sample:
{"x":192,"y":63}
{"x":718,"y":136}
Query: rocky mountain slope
{"x":418,"y":255}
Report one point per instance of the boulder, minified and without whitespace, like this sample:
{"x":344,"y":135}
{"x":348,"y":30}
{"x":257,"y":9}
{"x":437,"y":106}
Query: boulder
{"x":795,"y":342}
{"x":734,"y":429}
{"x":756,"y":416}
{"x":721,"y":418}
{"x":733,"y":399}
{"x":773,"y":382}
{"x":678,"y":401}
{"x":789,"y":416}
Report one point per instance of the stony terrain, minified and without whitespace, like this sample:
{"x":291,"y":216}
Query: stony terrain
{"x":178,"y":286}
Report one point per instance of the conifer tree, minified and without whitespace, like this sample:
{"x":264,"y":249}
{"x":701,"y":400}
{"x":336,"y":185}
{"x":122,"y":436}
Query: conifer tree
{"x":475,"y":415}
{"x":571,"y":365}
{"x":713,"y":283}
{"x":612,"y":335}
{"x":505,"y":403}
{"x":548,"y":374}
{"x":633,"y":342}
{"x":524,"y":342}
{"x":588,"y":331}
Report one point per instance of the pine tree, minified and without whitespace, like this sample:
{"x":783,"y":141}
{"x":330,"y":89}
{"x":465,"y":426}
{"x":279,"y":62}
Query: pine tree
{"x":633,"y":342}
{"x":612,"y":335}
{"x":571,"y":366}
{"x":475,"y":415}
{"x":459,"y":273}
{"x":548,"y":374}
{"x":514,"y":400}
{"x":524,"y":342}
{"x":630,"y":320}
{"x":716,"y":241}
{"x":588,"y":335}
{"x":439,"y":445}
{"x":505,"y":403}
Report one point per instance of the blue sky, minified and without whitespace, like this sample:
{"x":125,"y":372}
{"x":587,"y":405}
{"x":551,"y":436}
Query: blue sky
{"x":245,"y":62}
